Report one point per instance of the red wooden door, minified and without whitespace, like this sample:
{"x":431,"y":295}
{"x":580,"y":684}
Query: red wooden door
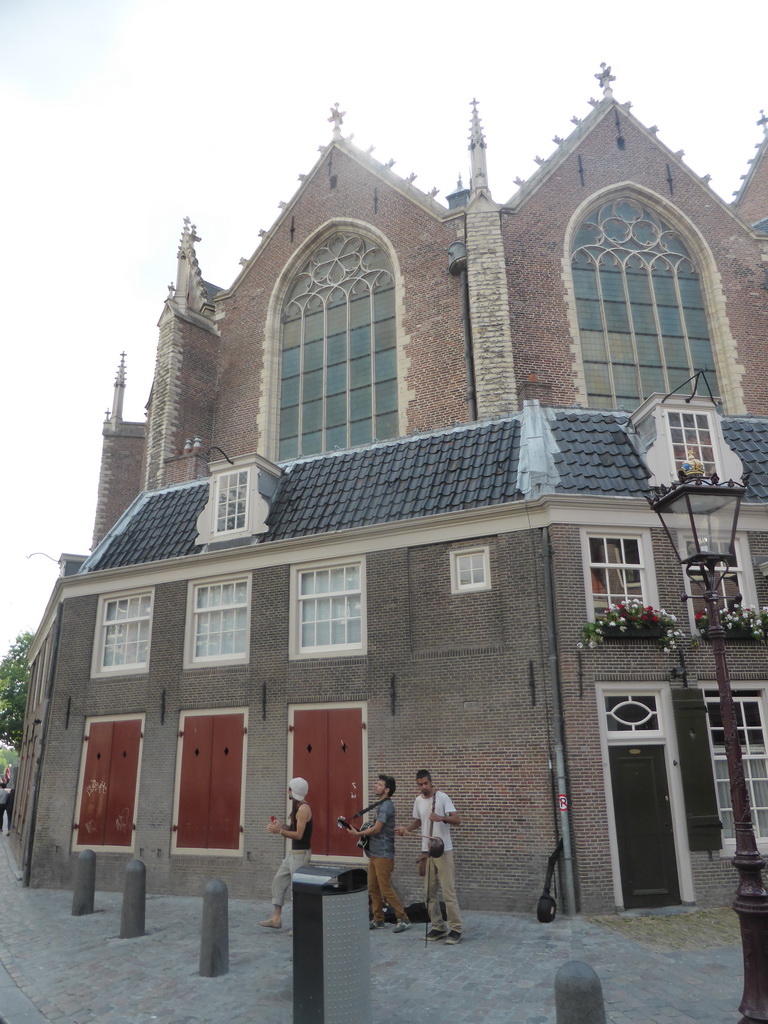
{"x":328,"y":753}
{"x":210,"y":786}
{"x":109,"y":783}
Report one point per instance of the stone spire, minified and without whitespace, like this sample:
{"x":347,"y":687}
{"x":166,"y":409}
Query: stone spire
{"x":189,"y":290}
{"x":477,"y":154}
{"x":117,"y":401}
{"x":122,"y":457}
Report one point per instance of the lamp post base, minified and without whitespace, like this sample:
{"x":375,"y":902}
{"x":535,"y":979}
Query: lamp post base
{"x":753,"y":919}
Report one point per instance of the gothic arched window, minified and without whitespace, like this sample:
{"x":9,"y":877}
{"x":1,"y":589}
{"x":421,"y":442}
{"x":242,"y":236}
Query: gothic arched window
{"x":338,"y":370}
{"x":642,"y":323}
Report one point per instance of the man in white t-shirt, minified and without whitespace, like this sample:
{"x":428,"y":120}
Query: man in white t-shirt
{"x":434,"y":814}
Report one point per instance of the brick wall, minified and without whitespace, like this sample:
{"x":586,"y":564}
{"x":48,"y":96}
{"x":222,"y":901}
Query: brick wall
{"x":470,"y":709}
{"x":122,"y":454}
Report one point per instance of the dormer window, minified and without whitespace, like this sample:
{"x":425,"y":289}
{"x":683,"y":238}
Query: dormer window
{"x":238,"y":502}
{"x":690,"y":433}
{"x":232,"y":501}
{"x":673,"y":428}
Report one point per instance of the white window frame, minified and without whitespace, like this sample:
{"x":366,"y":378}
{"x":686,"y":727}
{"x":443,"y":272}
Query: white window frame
{"x":742,"y":570}
{"x":711,"y":464}
{"x":649,"y":593}
{"x":457,"y":587}
{"x":191,"y":658}
{"x":98,"y":668}
{"x":297,"y":649}
{"x":722,"y":784}
{"x":222,"y":501}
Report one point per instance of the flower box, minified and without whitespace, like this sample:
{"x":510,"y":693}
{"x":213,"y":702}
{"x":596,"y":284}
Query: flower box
{"x":631,"y":632}
{"x":742,"y":633}
{"x":631,"y":620}
{"x":741,"y":622}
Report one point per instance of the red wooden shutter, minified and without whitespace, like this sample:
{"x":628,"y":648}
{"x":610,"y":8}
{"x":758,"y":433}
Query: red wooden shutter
{"x":210,"y":787}
{"x":328,"y":753}
{"x":109,"y":784}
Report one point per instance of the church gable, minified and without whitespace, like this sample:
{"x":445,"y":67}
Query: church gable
{"x":612,"y":158}
{"x":751,"y":200}
{"x":349,"y":205}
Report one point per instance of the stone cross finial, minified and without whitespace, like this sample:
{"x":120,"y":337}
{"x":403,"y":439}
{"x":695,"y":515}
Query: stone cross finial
{"x":763,"y":122}
{"x":605,"y":78}
{"x":191,"y":230}
{"x":337,"y":119}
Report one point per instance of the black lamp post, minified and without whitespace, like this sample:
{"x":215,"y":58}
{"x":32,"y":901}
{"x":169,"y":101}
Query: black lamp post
{"x":705,"y":511}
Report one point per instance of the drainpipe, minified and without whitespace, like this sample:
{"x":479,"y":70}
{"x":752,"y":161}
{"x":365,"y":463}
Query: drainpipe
{"x":457,"y":265}
{"x":26,"y":866}
{"x":557,"y":714}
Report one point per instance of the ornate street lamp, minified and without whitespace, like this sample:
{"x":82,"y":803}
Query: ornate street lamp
{"x":699,"y":515}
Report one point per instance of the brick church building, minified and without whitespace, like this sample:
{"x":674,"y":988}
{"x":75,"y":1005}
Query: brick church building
{"x":386,"y":477}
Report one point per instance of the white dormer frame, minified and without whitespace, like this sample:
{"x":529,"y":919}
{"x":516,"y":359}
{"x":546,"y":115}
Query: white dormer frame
{"x":652,"y":423}
{"x":258,"y":479}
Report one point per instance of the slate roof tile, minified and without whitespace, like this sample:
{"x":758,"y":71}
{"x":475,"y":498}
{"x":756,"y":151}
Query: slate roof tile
{"x":406,"y":479}
{"x":161,"y":525}
{"x":748,"y":436}
{"x":596,"y":453}
{"x":468,"y":467}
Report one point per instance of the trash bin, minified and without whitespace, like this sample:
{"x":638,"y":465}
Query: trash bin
{"x":331,"y":946}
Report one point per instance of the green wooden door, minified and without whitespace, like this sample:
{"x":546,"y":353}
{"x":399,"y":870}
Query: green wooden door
{"x":644,"y":827}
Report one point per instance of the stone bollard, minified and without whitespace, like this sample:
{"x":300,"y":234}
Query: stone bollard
{"x":134,"y":899}
{"x":578,"y":995}
{"x":85,"y":884}
{"x":214,"y":937}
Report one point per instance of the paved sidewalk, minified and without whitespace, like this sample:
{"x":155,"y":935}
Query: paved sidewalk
{"x":676,"y":969}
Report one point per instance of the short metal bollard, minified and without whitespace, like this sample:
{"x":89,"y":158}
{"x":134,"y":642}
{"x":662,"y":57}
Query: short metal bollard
{"x":134,"y":900}
{"x":85,"y":884}
{"x":214,"y":937}
{"x":578,"y":995}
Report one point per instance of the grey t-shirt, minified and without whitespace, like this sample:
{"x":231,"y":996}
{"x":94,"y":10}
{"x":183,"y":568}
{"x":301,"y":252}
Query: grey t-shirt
{"x":383,"y":843}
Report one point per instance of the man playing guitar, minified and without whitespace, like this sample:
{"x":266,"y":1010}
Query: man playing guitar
{"x":381,"y":850}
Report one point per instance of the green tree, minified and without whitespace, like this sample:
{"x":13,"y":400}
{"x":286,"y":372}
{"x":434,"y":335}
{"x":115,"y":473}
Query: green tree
{"x":14,"y":677}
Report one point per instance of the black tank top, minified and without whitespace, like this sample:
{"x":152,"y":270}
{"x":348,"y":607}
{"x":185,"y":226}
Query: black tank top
{"x":305,"y":843}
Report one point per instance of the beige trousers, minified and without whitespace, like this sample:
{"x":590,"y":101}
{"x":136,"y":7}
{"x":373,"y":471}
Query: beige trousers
{"x":441,"y":873}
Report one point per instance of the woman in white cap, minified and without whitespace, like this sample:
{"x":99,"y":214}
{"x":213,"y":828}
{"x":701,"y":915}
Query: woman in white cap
{"x":299,"y":831}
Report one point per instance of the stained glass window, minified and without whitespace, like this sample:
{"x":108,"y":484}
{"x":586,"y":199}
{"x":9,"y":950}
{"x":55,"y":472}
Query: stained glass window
{"x":338,"y":374}
{"x":642,"y":322}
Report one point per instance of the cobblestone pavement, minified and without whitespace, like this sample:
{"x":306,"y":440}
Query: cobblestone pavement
{"x":676,"y":969}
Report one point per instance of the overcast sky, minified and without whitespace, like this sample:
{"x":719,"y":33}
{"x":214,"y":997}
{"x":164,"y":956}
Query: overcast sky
{"x":121,"y":117}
